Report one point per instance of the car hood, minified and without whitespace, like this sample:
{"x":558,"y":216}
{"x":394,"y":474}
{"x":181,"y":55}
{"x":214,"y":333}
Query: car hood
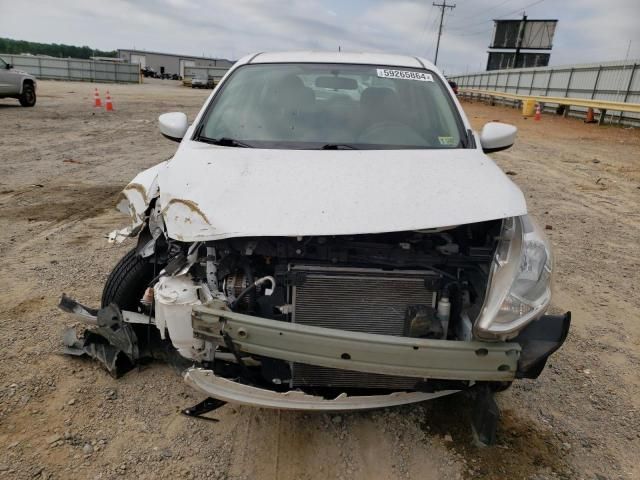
{"x":209,"y":192}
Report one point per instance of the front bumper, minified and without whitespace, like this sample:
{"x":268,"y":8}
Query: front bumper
{"x":524,"y":357}
{"x":226,"y":390}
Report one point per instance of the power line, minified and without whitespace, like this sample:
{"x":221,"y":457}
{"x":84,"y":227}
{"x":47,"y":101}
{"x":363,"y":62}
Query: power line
{"x":475,"y":24}
{"x":484,"y":10}
{"x":442,"y":6}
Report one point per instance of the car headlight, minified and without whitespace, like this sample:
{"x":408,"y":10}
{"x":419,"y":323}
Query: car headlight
{"x":519,"y":288}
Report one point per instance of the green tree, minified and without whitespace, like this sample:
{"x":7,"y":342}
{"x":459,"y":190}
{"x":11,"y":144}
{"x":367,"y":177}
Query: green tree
{"x":9,"y":45}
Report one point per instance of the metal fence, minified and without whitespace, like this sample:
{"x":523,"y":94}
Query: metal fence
{"x":215,"y":73}
{"x":610,"y":81}
{"x":51,"y":68}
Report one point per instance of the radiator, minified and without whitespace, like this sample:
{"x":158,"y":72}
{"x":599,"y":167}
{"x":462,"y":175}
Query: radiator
{"x":357,"y":300}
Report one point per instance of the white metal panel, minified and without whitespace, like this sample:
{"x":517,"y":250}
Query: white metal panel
{"x":338,"y":57}
{"x":209,"y":192}
{"x":186,"y":63}
{"x":139,"y":59}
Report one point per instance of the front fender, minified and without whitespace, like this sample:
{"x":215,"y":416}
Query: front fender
{"x":135,"y":199}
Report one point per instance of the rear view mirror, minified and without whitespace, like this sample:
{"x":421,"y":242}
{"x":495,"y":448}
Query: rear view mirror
{"x":173,"y":125}
{"x":336,"y":83}
{"x":496,"y":136}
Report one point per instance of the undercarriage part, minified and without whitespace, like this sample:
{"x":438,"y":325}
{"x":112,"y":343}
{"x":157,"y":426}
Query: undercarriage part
{"x":207,"y":405}
{"x":84,"y":314}
{"x":485,"y":415}
{"x":304,"y":375}
{"x":104,"y":345}
{"x":120,"y":340}
{"x":207,"y":382}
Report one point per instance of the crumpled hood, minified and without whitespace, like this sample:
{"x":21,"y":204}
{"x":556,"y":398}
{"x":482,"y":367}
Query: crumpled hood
{"x":209,"y":192}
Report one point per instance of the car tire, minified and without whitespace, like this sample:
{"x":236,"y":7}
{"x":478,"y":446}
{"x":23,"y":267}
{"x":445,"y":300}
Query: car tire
{"x":28,"y":96}
{"x":128,"y":281}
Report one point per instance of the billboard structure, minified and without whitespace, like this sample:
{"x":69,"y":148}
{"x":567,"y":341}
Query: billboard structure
{"x":517,"y":35}
{"x":504,"y":60}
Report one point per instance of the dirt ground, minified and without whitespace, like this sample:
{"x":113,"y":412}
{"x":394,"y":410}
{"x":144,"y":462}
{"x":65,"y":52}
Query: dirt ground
{"x":61,"y":167}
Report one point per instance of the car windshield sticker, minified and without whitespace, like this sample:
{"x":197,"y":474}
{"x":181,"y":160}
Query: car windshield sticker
{"x":446,"y":140}
{"x":404,"y":75}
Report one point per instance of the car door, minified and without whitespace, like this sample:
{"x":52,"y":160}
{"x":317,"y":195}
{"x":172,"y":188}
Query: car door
{"x":7,"y":80}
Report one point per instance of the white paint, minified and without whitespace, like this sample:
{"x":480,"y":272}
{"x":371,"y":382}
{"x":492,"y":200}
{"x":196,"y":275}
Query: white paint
{"x":173,"y":124}
{"x":139,"y":59}
{"x":209,"y":192}
{"x":174,"y":298}
{"x":186,"y":63}
{"x":235,"y":192}
{"x":227,"y":390}
{"x":497,"y":136}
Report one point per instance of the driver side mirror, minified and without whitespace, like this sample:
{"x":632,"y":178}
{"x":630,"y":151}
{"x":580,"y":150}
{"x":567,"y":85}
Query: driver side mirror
{"x":173,"y":125}
{"x":8,"y":66}
{"x":496,"y":136}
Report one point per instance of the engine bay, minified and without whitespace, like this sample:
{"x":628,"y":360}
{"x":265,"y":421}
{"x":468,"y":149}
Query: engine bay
{"x":419,"y":284}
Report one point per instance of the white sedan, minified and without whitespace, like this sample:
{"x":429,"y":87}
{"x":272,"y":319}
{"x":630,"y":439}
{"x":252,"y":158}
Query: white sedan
{"x":331,"y":235}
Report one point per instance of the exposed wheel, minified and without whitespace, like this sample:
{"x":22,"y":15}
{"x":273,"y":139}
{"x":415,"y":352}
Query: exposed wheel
{"x":28,"y":97}
{"x":128,"y":281}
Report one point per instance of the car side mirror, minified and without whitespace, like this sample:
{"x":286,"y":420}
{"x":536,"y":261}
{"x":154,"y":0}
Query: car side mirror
{"x":496,"y":136}
{"x":8,"y":66}
{"x":173,"y":125}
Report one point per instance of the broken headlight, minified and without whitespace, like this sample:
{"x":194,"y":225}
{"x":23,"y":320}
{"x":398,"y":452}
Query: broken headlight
{"x":520,"y":281}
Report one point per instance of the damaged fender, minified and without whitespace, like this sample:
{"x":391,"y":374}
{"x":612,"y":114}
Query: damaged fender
{"x":134,"y":201}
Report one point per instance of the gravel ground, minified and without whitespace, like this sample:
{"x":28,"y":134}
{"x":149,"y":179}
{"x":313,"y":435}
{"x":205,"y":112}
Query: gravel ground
{"x":61,"y":167}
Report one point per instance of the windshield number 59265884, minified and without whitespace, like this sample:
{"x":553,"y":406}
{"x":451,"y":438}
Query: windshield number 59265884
{"x":404,"y":75}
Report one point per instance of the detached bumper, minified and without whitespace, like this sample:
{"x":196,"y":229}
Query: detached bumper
{"x":361,"y":352}
{"x":229,"y":391}
{"x":539,"y":340}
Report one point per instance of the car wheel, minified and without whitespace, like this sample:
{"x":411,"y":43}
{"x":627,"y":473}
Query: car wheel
{"x":128,"y":281}
{"x":28,"y":97}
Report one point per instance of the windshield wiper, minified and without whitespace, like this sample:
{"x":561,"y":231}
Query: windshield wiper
{"x":225,"y":142}
{"x":338,"y":146}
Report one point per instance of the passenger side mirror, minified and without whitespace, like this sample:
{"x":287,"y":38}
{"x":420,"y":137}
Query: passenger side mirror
{"x":173,"y":125}
{"x":496,"y":136}
{"x":8,"y":66}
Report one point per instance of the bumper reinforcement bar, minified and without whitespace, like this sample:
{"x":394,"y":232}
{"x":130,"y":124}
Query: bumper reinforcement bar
{"x":362,"y":352}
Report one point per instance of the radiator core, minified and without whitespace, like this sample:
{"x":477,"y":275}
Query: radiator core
{"x":357,"y":300}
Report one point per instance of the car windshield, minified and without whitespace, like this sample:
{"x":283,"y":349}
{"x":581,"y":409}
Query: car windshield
{"x":332,"y":106}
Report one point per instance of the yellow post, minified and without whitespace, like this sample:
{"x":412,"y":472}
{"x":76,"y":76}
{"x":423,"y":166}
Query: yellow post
{"x":528,"y":107}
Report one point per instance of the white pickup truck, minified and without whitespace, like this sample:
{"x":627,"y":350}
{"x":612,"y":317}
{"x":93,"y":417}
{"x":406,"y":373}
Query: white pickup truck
{"x":17,"y":84}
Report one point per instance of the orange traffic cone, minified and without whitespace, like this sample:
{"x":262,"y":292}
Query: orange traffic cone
{"x":590,"y":117}
{"x":108,"y":106}
{"x":538,"y":113}
{"x":96,"y":99}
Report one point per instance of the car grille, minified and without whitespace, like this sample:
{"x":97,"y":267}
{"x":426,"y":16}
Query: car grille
{"x":357,"y":300}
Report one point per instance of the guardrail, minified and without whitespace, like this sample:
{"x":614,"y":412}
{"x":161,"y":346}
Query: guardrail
{"x":566,"y":102}
{"x":615,"y":81}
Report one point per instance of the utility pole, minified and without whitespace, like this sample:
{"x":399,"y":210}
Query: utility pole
{"x":441,"y":6}
{"x":523,"y":25}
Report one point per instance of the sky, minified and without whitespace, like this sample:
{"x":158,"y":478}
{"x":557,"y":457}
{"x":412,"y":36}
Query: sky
{"x":588,"y":30}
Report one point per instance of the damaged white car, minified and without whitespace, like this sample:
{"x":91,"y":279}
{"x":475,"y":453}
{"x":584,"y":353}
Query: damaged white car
{"x":331,"y":235}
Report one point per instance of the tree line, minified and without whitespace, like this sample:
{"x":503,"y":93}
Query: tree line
{"x":16,"y":47}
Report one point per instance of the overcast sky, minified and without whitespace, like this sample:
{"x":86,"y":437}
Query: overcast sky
{"x":588,"y":30}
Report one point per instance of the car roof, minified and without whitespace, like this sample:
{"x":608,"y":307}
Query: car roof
{"x":338,"y":57}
